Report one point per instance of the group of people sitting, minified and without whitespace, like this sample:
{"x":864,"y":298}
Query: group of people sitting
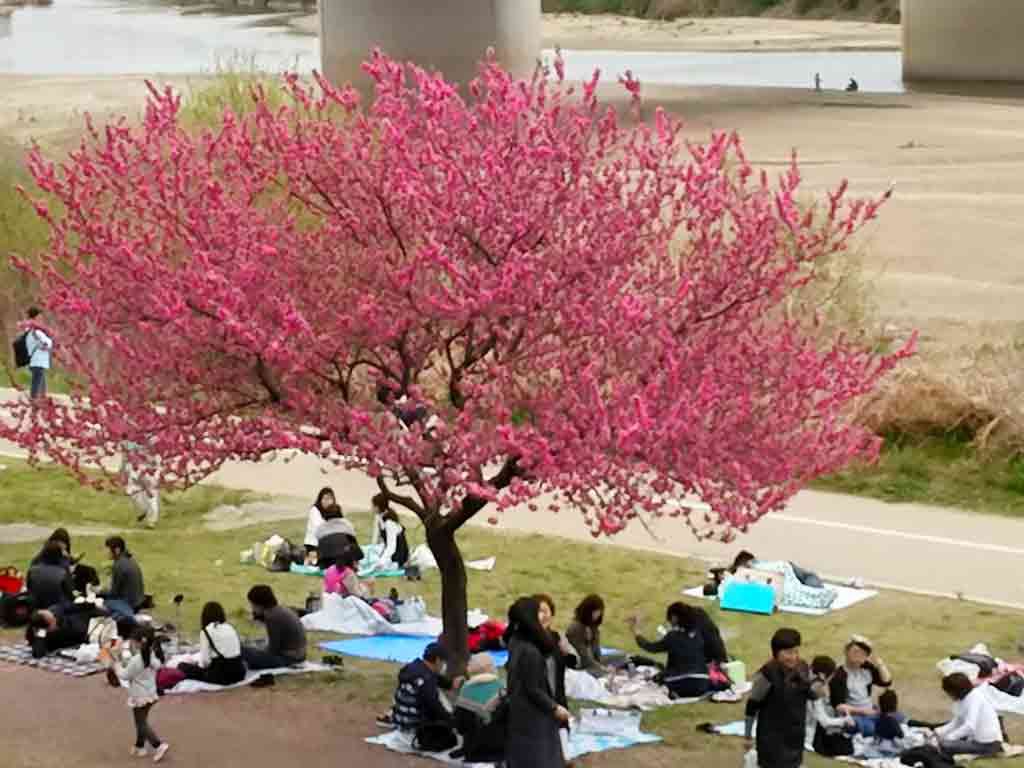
{"x":332,"y":544}
{"x":64,"y":602}
{"x":825,"y":704}
{"x":225,"y":660}
{"x":526,"y":727}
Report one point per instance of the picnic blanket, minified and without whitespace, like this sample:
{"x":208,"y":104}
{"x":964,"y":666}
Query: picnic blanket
{"x":400,"y":649}
{"x":579,"y":744}
{"x":420,"y":557}
{"x":845,"y":597}
{"x":637,"y":691}
{"x":737,"y":727}
{"x":63,"y":662}
{"x":352,"y":616}
{"x":195,"y":686}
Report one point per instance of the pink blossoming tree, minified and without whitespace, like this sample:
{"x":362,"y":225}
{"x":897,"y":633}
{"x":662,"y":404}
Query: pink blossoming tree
{"x":484,"y":300}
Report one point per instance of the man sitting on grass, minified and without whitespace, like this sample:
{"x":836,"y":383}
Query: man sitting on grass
{"x":127,"y":592}
{"x":286,"y":637}
{"x":418,"y":695}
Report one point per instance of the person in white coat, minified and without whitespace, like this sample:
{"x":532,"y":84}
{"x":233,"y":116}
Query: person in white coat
{"x":389,"y":534}
{"x":975,"y":728}
{"x":315,"y":519}
{"x":39,"y":346}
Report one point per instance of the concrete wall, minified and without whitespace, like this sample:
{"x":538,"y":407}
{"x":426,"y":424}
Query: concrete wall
{"x":963,"y":40}
{"x":448,"y":35}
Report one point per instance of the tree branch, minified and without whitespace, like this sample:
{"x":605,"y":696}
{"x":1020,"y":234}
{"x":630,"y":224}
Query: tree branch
{"x":473,"y":504}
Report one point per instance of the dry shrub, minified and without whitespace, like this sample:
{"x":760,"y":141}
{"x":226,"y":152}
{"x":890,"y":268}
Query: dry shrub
{"x":970,"y":390}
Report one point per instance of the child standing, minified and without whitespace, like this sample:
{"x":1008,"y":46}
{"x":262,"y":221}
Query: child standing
{"x":140,"y":674}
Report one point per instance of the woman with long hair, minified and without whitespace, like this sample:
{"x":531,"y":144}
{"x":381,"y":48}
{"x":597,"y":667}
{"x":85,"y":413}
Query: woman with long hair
{"x":585,"y":634}
{"x":534,"y":718}
{"x":220,"y":650}
{"x":564,"y":656}
{"x":315,"y":518}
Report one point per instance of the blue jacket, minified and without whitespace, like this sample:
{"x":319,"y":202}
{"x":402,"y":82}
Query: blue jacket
{"x":418,"y":698}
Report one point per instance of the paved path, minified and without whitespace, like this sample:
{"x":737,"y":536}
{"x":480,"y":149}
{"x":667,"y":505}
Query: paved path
{"x":921,"y":548}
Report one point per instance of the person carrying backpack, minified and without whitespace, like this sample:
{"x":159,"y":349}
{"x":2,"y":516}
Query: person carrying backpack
{"x":38,"y":346}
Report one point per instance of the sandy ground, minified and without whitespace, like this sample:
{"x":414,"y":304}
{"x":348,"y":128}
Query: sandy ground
{"x":611,"y":32}
{"x":946,"y":251}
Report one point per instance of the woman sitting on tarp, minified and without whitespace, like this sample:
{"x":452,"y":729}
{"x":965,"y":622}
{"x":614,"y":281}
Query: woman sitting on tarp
{"x":220,"y":650}
{"x":686,"y":675}
{"x":389,"y":533}
{"x":483,"y":735}
{"x":336,"y":539}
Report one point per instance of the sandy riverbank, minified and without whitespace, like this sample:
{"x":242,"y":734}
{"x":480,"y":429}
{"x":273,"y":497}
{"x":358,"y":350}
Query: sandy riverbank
{"x":621,"y":33}
{"x":947,"y":246}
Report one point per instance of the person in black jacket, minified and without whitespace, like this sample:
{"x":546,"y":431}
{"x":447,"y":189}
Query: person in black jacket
{"x":418,"y":695}
{"x":49,"y":580}
{"x":61,"y":538}
{"x":686,"y":672}
{"x":534,"y":717}
{"x":778,"y":703}
{"x":62,"y":627}
{"x":127,"y":591}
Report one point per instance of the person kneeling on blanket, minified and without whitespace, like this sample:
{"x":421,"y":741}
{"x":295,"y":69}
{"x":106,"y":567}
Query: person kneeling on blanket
{"x":419,"y":714}
{"x":286,"y":637}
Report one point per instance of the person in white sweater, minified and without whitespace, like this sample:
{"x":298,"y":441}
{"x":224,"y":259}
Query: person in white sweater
{"x":220,"y":650}
{"x":315,"y":519}
{"x":975,"y":728}
{"x":390,"y":534}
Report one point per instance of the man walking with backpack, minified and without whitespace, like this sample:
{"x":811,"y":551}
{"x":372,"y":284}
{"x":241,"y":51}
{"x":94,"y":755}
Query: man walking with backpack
{"x":38,"y":345}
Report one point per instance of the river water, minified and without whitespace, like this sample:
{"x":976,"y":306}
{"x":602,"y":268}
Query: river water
{"x":108,"y":37}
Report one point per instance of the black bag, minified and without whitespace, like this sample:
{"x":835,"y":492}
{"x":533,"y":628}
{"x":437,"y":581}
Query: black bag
{"x":21,"y":355}
{"x":986,"y":664}
{"x":15,"y":610}
{"x":1011,"y":685}
{"x":832,"y":744}
{"x":929,"y":757}
{"x":434,"y":737}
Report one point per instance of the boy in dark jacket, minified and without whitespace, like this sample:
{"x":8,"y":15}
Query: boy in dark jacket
{"x":418,"y":695}
{"x":778,"y":702}
{"x":127,"y":589}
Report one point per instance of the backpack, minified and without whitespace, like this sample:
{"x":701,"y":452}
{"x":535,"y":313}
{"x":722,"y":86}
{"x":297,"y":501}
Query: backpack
{"x":1011,"y":685}
{"x":15,"y":610}
{"x":21,"y":355}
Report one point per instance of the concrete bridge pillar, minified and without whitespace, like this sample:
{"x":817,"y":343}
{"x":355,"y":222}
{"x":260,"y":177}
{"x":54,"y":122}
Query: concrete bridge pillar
{"x":963,"y":40}
{"x":447,"y":35}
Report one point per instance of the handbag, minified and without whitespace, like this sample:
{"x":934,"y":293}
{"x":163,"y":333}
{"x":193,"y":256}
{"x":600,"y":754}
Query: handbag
{"x":413,"y":609}
{"x":434,"y":737}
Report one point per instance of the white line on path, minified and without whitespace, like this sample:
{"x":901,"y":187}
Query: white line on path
{"x":896,"y":534}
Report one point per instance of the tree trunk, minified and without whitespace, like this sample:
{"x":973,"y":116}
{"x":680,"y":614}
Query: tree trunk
{"x":454,"y":600}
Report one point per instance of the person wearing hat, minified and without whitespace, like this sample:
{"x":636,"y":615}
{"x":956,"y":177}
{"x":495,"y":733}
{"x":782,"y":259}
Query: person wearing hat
{"x":778,"y":703}
{"x":851,"y":689}
{"x":418,"y":694}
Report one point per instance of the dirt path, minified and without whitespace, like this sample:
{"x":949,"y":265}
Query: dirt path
{"x":86,"y":724}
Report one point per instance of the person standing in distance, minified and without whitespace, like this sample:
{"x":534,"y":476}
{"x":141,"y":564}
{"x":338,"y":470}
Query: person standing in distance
{"x":39,"y":346}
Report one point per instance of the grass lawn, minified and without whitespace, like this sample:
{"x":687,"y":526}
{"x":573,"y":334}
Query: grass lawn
{"x":942,"y":470}
{"x":912,"y":633}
